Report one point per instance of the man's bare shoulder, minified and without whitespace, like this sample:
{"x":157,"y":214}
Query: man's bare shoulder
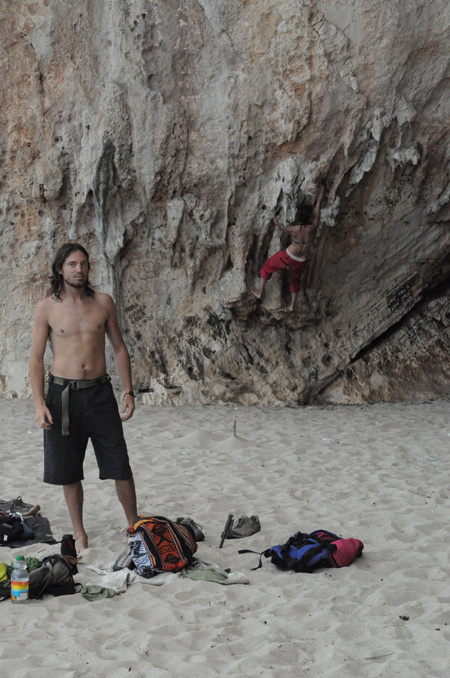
{"x":44,"y":305}
{"x":105,"y":300}
{"x":44,"y":312}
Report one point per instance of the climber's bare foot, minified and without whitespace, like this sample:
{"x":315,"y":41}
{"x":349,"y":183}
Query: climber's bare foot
{"x":256,"y":293}
{"x":81,"y":542}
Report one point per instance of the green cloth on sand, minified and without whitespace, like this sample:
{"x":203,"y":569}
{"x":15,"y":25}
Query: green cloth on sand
{"x":214,"y":574}
{"x":95,"y":592}
{"x":32,"y":563}
{"x":3,"y":575}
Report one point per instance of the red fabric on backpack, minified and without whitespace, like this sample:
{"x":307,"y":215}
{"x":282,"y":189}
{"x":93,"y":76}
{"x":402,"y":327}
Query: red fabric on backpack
{"x":346,"y":552}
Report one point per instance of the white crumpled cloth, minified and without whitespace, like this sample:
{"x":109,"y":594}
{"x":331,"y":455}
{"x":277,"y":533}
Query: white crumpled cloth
{"x":119,"y":581}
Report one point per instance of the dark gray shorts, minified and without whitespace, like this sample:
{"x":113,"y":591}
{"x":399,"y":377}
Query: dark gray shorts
{"x":94,"y":414}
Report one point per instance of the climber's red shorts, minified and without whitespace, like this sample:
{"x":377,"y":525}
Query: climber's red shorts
{"x":282,"y":260}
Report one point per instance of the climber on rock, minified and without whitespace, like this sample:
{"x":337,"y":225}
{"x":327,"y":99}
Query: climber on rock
{"x":303,"y":234}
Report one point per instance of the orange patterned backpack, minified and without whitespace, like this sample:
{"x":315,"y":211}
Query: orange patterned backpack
{"x":161,"y":545}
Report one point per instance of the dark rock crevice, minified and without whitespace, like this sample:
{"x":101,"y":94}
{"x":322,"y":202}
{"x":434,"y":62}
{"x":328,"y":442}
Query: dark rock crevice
{"x":409,"y":361}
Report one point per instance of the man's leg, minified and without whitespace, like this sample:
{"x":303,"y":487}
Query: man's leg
{"x":294,"y":296}
{"x":64,"y":456}
{"x":73,"y":495}
{"x":127,"y":497}
{"x":106,"y":433}
{"x":258,"y":293}
{"x":273,"y":264}
{"x":296,"y":274}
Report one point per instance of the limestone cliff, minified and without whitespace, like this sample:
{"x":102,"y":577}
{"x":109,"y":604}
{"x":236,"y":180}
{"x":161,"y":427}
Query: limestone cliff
{"x":166,"y":135}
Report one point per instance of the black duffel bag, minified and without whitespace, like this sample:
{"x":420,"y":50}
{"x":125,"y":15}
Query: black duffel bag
{"x":11,"y":528}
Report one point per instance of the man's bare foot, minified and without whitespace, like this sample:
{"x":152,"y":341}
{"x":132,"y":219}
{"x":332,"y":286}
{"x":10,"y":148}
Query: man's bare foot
{"x":256,"y":293}
{"x":81,"y":542}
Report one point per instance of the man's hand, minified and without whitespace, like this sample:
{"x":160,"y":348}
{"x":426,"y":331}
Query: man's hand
{"x":128,"y":406}
{"x":43,"y":416}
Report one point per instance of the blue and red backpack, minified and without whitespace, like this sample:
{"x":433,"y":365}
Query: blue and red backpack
{"x":306,"y":552}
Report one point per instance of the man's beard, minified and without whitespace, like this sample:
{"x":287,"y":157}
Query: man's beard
{"x":76,"y":286}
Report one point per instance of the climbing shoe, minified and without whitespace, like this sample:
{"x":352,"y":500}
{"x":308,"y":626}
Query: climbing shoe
{"x":244,"y":527}
{"x":19,"y":506}
{"x":199,"y":536}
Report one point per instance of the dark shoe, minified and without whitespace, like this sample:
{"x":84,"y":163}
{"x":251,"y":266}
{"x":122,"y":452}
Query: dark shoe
{"x":244,"y":527}
{"x":188,"y":522}
{"x":16,"y":505}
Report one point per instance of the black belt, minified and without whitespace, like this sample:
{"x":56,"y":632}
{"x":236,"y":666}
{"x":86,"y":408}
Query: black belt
{"x":74,"y":385}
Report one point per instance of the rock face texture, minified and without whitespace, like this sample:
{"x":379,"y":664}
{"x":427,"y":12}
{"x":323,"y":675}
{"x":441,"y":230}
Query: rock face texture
{"x":166,"y":135}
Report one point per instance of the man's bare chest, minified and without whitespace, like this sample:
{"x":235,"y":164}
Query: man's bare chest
{"x":67,"y":321}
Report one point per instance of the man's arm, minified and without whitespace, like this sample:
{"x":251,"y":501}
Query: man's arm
{"x":316,"y":212}
{"x":38,"y":344}
{"x":283,"y":228}
{"x":120,"y":356}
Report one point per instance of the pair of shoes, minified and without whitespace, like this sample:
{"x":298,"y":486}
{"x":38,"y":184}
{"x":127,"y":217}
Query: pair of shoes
{"x":19,"y":506}
{"x":189,"y":522}
{"x":244,"y":527}
{"x":14,"y":505}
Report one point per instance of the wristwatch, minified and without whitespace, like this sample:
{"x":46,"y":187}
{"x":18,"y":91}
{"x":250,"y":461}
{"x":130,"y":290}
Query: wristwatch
{"x":131,"y":393}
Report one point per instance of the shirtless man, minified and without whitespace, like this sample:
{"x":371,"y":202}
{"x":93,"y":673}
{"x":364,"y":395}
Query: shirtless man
{"x":80,"y":402}
{"x":296,"y":255}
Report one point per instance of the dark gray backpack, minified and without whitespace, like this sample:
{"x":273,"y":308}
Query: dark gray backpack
{"x":53,"y":577}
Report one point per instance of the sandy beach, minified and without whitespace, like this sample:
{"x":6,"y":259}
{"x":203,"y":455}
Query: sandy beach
{"x":379,"y":473}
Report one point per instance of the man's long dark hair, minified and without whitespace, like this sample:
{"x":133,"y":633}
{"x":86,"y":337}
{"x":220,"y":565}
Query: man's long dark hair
{"x":56,"y":279}
{"x":304,"y":214}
